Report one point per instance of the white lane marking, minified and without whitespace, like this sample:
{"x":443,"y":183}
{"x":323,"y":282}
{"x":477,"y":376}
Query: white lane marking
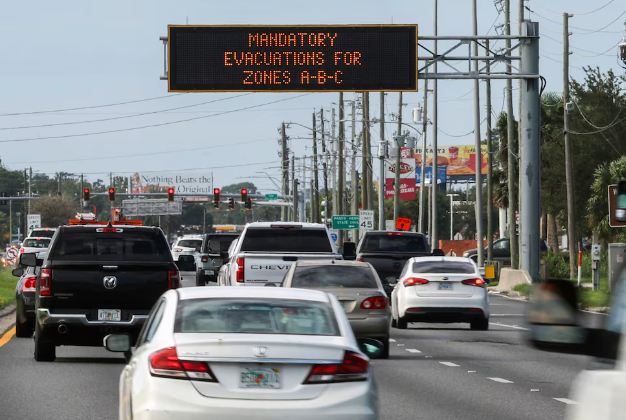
{"x":502,"y":381}
{"x":471,"y":371}
{"x":449,"y":364}
{"x":534,"y":390}
{"x":428,"y":357}
{"x":510,"y":326}
{"x":565,"y":400}
{"x":400,"y":345}
{"x":391,"y":340}
{"x":413,"y":350}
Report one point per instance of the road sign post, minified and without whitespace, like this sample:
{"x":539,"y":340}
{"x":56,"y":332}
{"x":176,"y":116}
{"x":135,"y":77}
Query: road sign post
{"x":403,"y":224}
{"x":33,"y":221}
{"x":345,"y":222}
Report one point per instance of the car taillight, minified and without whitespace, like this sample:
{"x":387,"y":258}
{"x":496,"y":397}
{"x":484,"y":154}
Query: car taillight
{"x":45,"y":280}
{"x":375,"y":302}
{"x":178,"y":250}
{"x":411,"y":281}
{"x":165,"y":363}
{"x":29,"y":284}
{"x":360,"y":259}
{"x":353,"y":368}
{"x":474,"y":282}
{"x":239,"y":270}
{"x":173,"y":280}
{"x":394,"y":233}
{"x":22,"y":250}
{"x":204,"y":258}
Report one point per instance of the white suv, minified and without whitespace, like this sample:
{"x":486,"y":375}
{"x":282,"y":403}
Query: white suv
{"x":188,"y":245}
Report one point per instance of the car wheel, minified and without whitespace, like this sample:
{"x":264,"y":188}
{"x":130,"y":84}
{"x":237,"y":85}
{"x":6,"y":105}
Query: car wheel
{"x":385,"y":353}
{"x":22,"y":329}
{"x":44,"y":351}
{"x":200,"y":280}
{"x":481,"y":324}
{"x":394,"y":323}
{"x":402,"y":324}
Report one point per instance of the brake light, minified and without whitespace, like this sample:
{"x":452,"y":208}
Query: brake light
{"x":38,"y":239}
{"x":411,"y":281}
{"x":394,"y":233}
{"x":22,"y":250}
{"x":354,"y":367}
{"x":173,"y":280}
{"x":165,"y":363}
{"x":474,"y":282}
{"x":178,"y":250}
{"x":286,"y":226}
{"x":360,"y":259}
{"x":204,"y":258}
{"x":29,"y":284}
{"x":45,"y":280}
{"x":375,"y":302}
{"x":240,"y":270}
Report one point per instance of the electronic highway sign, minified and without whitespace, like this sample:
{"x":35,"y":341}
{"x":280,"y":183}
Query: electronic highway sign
{"x":300,"y":58}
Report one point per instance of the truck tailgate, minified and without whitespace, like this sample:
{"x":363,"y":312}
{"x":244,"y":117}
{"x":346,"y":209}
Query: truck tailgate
{"x":260,"y":269}
{"x":387,"y":265}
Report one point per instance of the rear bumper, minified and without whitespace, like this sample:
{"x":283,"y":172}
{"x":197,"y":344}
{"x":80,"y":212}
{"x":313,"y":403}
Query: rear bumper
{"x":444,"y":315}
{"x":48,"y":320}
{"x":374,"y":327}
{"x":445,"y":309}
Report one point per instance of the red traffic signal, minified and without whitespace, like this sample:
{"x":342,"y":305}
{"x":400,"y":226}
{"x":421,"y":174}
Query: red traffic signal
{"x":170,"y":194}
{"x":244,"y":195}
{"x":111,"y":194}
{"x":216,"y":198}
{"x":86,"y":194}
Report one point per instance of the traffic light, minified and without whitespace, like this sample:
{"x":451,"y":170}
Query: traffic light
{"x":231,"y":203}
{"x":216,"y":198}
{"x":111,"y":194}
{"x":248,"y":204}
{"x":170,"y":194}
{"x":86,"y":195}
{"x":244,"y":195}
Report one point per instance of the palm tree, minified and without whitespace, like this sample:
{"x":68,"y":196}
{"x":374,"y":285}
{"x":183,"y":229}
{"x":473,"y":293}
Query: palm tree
{"x":597,"y":206}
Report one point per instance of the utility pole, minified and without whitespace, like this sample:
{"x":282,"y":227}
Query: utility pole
{"x":365,"y":188}
{"x":510,"y":133}
{"x":382,"y":154}
{"x":489,"y":164}
{"x":433,"y":191}
{"x":325,"y":167}
{"x":520,"y":174}
{"x":315,"y":203}
{"x":370,"y":160}
{"x":30,"y":186}
{"x":479,"y":160}
{"x":293,"y":216}
{"x":569,"y":177}
{"x":285,"y":168}
{"x":397,"y":140}
{"x":333,"y":166}
{"x":341,"y":144}
{"x":295,"y":198}
{"x":422,"y":214}
{"x":82,"y":188}
{"x":354,"y":176}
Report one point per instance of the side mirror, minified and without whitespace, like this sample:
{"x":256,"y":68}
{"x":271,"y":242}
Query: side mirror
{"x":17,"y":272}
{"x":372,"y":348}
{"x":391,"y":281}
{"x":117,"y":343}
{"x":438,"y":252}
{"x":349,"y":251}
{"x":28,"y":260}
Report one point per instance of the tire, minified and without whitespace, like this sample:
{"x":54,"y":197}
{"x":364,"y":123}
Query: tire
{"x":22,"y":329}
{"x":44,"y":351}
{"x":394,"y":323}
{"x":402,"y":324}
{"x":385,"y":353}
{"x":200,"y":280}
{"x":481,"y":324}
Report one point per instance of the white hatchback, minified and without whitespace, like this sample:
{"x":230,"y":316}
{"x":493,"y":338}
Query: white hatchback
{"x":247,"y":353}
{"x":440,"y":290}
{"x":187,"y":245}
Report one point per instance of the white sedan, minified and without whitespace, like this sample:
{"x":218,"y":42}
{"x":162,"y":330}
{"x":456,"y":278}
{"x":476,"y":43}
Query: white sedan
{"x":247,"y":353}
{"x":440,"y":290}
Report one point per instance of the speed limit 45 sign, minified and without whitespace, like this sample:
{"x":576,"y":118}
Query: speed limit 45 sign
{"x":366,"y":219}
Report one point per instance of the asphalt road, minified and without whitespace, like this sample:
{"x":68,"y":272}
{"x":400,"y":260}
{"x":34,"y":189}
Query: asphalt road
{"x":436,"y":371}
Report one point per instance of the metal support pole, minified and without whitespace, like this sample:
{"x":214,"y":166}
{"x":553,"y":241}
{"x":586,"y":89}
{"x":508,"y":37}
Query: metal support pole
{"x":398,"y":143}
{"x":295,"y":200}
{"x":341,"y":187}
{"x":293,"y":214}
{"x":285,"y":168}
{"x":325,"y":168}
{"x":433,"y":210}
{"x":30,"y":184}
{"x":530,"y":143}
{"x":333,"y":164}
{"x":315,"y":203}
{"x":381,"y":154}
{"x":479,"y":161}
{"x":422,"y":215}
{"x":354,"y":177}
{"x":489,"y":166}
{"x":569,"y":177}
{"x":364,"y":148}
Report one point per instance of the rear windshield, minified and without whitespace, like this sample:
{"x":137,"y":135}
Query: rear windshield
{"x":214,"y":242}
{"x":189,"y":243}
{"x":36,"y":243}
{"x":444,"y":267}
{"x":334,"y":276}
{"x":93,"y":246}
{"x":286,"y":240}
{"x":42,"y":233}
{"x":255,"y":316}
{"x":394,"y":242}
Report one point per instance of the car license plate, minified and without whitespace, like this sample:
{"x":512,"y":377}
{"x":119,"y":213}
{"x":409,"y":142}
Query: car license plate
{"x":109,"y":315}
{"x":209,"y":272}
{"x":445,"y":286}
{"x":259,"y":378}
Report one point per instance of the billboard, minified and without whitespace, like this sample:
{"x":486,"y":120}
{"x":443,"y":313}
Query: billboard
{"x":182,"y":182}
{"x":458,"y":159}
{"x":310,"y":58}
{"x":428,"y":175}
{"x":407,"y":179}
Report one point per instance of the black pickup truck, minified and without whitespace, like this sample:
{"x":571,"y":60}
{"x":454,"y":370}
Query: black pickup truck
{"x":389,"y":251}
{"x":96,"y":280}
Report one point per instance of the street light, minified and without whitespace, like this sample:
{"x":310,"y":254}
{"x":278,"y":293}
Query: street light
{"x":451,"y":215}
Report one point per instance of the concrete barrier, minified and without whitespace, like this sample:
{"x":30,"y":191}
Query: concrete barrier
{"x":510,"y":278}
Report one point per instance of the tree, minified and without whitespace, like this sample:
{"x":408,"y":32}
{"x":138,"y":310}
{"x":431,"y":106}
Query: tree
{"x":54,"y":210}
{"x":597,"y":205}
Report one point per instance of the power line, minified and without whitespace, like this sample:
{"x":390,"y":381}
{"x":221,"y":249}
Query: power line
{"x":93,"y":106}
{"x":125,"y":116}
{"x":575,"y":14}
{"x":151,"y":125}
{"x":588,"y":31}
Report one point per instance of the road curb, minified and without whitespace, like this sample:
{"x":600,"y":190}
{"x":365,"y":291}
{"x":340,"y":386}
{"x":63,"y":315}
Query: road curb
{"x":4,"y":314}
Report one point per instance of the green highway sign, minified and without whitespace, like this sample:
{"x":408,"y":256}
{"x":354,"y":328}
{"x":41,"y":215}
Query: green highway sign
{"x":271,"y":196}
{"x":345,"y":222}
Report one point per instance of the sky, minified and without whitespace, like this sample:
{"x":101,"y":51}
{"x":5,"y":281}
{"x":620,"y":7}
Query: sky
{"x":77,"y":54}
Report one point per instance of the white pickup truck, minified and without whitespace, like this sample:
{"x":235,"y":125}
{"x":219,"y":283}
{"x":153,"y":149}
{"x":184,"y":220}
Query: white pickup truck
{"x":264,"y":252}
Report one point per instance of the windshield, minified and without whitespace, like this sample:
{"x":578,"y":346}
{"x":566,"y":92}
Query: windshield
{"x":94,"y":246}
{"x":36,"y":243}
{"x":333,"y":276}
{"x":286,"y":240}
{"x":394,"y":243}
{"x":444,"y":267}
{"x":255,"y":316}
